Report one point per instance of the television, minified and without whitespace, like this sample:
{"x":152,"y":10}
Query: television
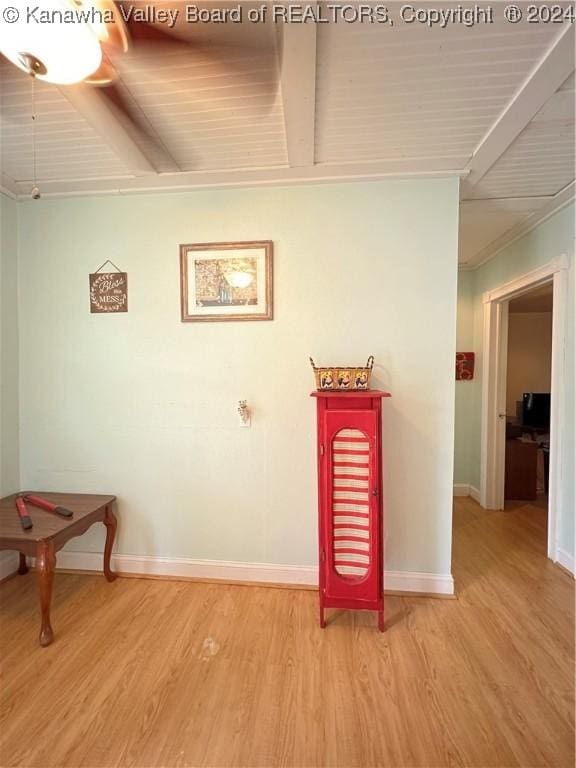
{"x":536,"y":410}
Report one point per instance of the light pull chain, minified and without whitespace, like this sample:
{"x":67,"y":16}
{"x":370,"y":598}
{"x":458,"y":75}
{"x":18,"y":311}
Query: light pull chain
{"x":35,"y":191}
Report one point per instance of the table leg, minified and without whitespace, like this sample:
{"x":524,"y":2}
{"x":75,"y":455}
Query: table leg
{"x":23,"y":566}
{"x":45,"y":562}
{"x":110,"y":522}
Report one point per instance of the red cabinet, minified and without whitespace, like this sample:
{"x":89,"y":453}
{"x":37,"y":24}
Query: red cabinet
{"x":350,"y":513}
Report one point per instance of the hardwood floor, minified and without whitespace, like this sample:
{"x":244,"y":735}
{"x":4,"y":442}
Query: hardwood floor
{"x":157,"y":673}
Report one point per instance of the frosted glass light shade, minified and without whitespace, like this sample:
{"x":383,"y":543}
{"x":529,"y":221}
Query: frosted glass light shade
{"x":69,"y":51}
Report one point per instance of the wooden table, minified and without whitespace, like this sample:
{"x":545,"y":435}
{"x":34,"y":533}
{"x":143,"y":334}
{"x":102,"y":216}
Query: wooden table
{"x":49,"y":534}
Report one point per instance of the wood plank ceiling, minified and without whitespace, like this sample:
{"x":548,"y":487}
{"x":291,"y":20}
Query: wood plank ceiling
{"x":493,"y":102}
{"x":417,"y":93}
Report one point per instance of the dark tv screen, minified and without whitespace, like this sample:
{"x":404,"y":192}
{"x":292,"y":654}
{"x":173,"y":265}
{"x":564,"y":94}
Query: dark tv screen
{"x":536,"y":410}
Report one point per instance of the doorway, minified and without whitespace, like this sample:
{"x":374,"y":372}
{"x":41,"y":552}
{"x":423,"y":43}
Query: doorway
{"x":494,"y":388}
{"x":527,"y":406}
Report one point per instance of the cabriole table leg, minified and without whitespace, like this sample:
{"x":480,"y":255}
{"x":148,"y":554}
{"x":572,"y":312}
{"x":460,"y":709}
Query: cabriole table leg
{"x":45,"y":563}
{"x":110,"y":522}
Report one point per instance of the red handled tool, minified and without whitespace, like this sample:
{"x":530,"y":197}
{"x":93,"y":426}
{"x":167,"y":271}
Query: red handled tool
{"x":23,"y":513}
{"x":38,"y":501}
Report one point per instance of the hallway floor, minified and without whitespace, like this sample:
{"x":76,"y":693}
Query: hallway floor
{"x":162,"y":673}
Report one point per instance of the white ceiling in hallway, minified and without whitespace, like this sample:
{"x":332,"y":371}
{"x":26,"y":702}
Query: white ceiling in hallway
{"x":483,"y":221}
{"x":493,"y":102}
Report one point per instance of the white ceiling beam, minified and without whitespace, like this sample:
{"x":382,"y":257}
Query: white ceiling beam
{"x":94,"y":108}
{"x":298,"y":83}
{"x":252,"y":177}
{"x":554,"y":68}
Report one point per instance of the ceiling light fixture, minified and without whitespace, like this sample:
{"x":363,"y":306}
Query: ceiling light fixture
{"x":48,"y":47}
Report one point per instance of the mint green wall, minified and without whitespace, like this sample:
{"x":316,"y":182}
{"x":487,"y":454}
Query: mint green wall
{"x":9,"y":465}
{"x":144,"y":406}
{"x":549,"y":240}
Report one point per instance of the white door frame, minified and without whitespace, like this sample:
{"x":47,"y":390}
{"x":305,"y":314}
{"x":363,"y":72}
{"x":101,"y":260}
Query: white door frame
{"x":495,"y":347}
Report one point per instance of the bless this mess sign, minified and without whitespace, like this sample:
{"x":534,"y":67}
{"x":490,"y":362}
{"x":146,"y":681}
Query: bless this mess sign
{"x":109,"y":292}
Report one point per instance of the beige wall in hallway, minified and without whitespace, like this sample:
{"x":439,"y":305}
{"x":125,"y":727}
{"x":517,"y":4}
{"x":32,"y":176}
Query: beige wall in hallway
{"x":529,"y":355}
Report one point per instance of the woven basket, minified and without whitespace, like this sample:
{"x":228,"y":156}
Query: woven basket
{"x":336,"y":378}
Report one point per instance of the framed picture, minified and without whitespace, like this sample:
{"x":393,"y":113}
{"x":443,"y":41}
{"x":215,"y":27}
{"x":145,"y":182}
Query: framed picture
{"x":464,"y":366}
{"x":226,"y":281}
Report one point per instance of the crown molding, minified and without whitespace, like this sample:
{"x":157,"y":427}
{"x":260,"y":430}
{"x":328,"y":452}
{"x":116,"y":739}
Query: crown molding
{"x":252,"y":177}
{"x":8,"y":186}
{"x":8,"y":193}
{"x":557,"y":203}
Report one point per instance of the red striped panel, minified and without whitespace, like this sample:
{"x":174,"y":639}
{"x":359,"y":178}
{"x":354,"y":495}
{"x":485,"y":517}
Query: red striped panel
{"x":350,"y":503}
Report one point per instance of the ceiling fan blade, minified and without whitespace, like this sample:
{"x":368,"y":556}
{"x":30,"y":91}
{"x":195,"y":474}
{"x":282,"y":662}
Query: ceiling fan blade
{"x":94,"y":108}
{"x":112,"y":34}
{"x":142,"y":33}
{"x":104,"y":75}
{"x":168,"y":19}
{"x":135,"y":122}
{"x":251,"y":53}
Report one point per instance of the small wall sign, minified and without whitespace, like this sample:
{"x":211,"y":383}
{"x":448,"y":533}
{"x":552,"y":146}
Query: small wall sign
{"x":108,"y":290}
{"x":464,"y":366}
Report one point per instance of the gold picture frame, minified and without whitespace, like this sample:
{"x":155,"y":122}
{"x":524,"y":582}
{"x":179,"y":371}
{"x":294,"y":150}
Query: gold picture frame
{"x":221,"y":282}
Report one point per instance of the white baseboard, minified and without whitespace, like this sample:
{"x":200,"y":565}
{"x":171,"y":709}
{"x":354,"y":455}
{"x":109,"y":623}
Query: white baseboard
{"x":463,"y":489}
{"x":475,"y":493}
{"x":423,"y":583}
{"x":178,"y":567}
{"x":566,"y":560}
{"x":9,"y":562}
